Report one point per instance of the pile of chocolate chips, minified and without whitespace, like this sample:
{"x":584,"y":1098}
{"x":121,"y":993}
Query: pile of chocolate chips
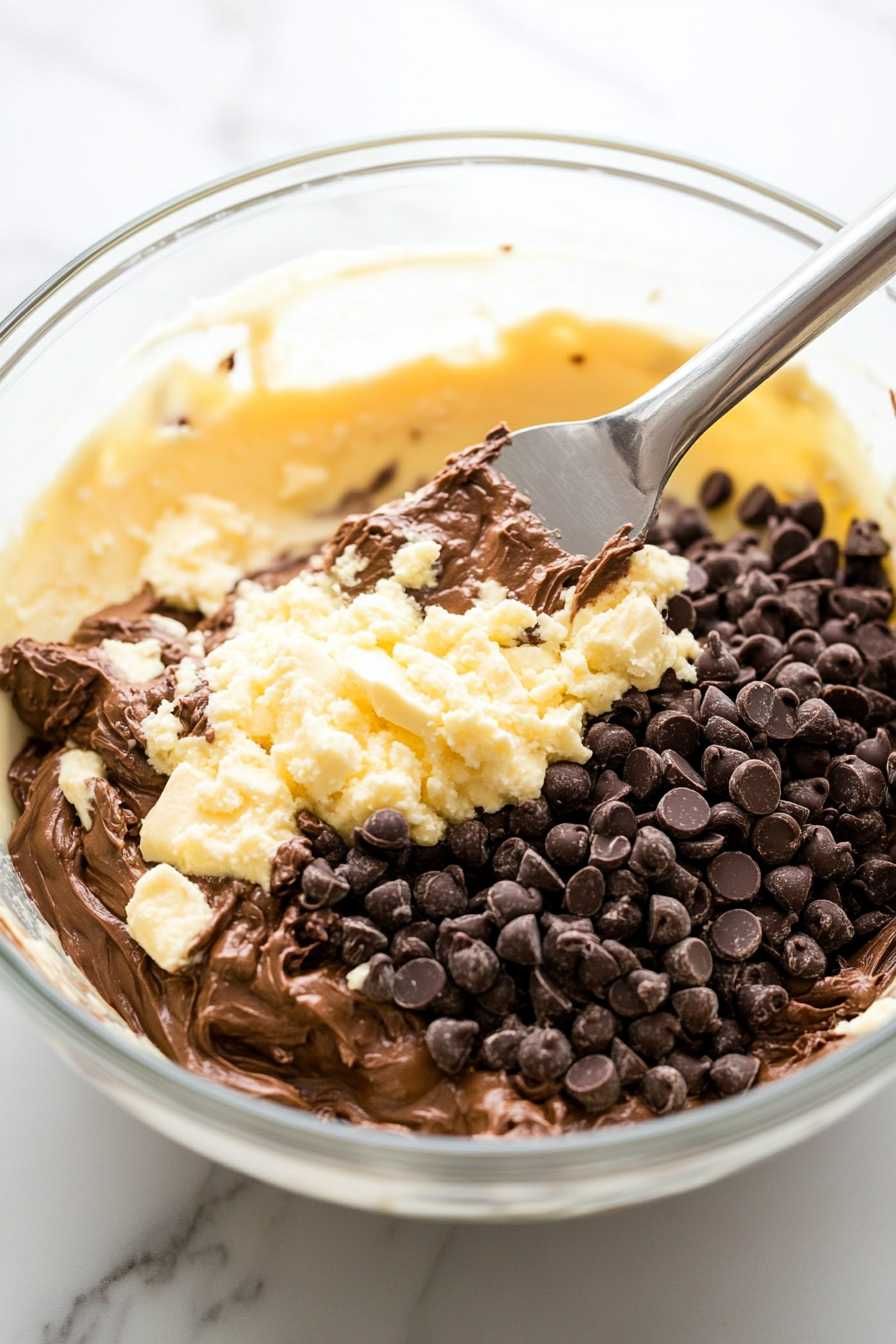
{"x":647,"y":918}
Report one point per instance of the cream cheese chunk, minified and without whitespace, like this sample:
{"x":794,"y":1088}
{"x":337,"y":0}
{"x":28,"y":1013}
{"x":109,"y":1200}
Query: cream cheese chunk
{"x":343,"y":705}
{"x":78,"y":774}
{"x":197,"y":552}
{"x":167,"y":915}
{"x":140,"y":662}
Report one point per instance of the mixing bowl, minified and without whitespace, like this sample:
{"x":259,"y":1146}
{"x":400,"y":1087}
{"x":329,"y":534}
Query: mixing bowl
{"x":625,"y":232}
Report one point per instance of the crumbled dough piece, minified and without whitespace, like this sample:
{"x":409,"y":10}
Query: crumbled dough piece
{"x":78,"y":774}
{"x":140,"y":662}
{"x":347,"y":566}
{"x":167,"y":915}
{"x":343,"y":706}
{"x":416,"y":564}
{"x":356,"y":978}
{"x":198,"y":552}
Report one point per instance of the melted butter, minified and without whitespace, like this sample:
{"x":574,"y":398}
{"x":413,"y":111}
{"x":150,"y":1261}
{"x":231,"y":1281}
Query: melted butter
{"x":292,"y":457}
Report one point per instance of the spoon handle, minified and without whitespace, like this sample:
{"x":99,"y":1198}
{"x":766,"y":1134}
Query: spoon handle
{"x":833,"y":280}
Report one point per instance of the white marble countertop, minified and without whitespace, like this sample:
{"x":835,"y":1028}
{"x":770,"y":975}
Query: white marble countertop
{"x":110,"y":1233}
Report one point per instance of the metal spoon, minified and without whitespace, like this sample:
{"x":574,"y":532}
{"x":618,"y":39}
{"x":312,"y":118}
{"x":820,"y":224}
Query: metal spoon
{"x":589,"y":477}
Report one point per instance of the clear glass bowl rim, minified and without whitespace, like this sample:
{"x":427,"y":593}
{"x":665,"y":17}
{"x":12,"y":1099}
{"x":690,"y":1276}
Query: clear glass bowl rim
{"x":859,"y":1065}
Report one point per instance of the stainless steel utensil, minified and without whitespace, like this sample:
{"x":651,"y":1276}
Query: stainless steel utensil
{"x":589,"y":477}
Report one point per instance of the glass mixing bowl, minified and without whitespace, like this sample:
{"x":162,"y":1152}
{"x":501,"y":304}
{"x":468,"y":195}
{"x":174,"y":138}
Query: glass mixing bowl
{"x":662,"y":240}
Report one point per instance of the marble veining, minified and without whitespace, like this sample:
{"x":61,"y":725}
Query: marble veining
{"x":112,"y":1235}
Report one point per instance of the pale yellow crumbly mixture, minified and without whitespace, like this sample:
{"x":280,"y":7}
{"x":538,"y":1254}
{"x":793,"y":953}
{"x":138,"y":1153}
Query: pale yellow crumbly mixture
{"x":343,"y":705}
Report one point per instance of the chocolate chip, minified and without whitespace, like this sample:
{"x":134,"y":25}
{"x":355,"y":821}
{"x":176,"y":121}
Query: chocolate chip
{"x":671,"y":730}
{"x":680,"y":613}
{"x":734,"y":876}
{"x":584,"y":893}
{"x":321,"y":886}
{"x":508,"y":857}
{"x":875,"y":750}
{"x":715,"y":663}
{"x":639,"y":992}
{"x":733,"y":1073}
{"x":614,"y":818}
{"x":759,"y":1005}
{"x":697,"y":1009}
{"x":360,"y":940}
{"x":717,"y":705}
{"x":755,"y":787}
{"x":693,"y":1069}
{"x":520,"y":941}
{"x":567,"y":843}
{"x":632,"y":709}
{"x":790,"y":886}
{"x":803,"y":957}
{"x":811,"y":794}
{"x":439,"y":896}
{"x":363,"y":871}
{"x":730,"y":1038}
{"x":531,"y":819}
{"x":473,"y":964}
{"x":703,"y":847}
{"x":386,"y":829}
{"x":593,"y":1082}
{"x":679,"y":773}
{"x":549,"y":1002}
{"x":757,"y":506}
{"x":847,"y":702}
{"x":566,"y":786}
{"x":865,"y":541}
{"x":663,"y":1089}
{"x":667,"y":920}
{"x":652,"y":854}
{"x":819,"y":851}
{"x":828,"y":924}
{"x":508,"y":900}
{"x":782,"y":723}
{"x":806,"y":645}
{"x":535,"y":871}
{"x":450,"y":1042}
{"x":610,"y":744}
{"x":718,"y":764}
{"x":878,"y":878}
{"x":469,"y":843}
{"x":654,"y":1036}
{"x":325,"y":842}
{"x":719,"y":732}
{"x":389,"y":905}
{"x":380,"y":979}
{"x":787,"y":540}
{"x":598,"y":967}
{"x":609,"y":852}
{"x":716,"y":490}
{"x":593,"y":1029}
{"x":619,"y":919}
{"x":683,"y":812}
{"x":776,"y":838}
{"x":688,"y":962}
{"x":630,"y":1067}
{"x":731,"y":820}
{"x":501,"y":1050}
{"x":418,"y":983}
{"x":855,"y":784}
{"x":871,"y":922}
{"x":736,"y":935}
{"x":544,"y":1054}
{"x":414,"y":940}
{"x":840,"y":664}
{"x":643,"y":772}
{"x":290,"y":861}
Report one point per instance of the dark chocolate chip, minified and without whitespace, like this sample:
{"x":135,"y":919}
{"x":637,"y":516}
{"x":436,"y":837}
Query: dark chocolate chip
{"x":733,"y":1073}
{"x":840,"y":664}
{"x":414,"y":940}
{"x":694,"y":1070}
{"x":473,"y":964}
{"x":584,"y":893}
{"x":757,"y":506}
{"x":450,"y":1042}
{"x":544,"y":1054}
{"x":567,"y":844}
{"x":716,"y":490}
{"x":776,"y":838}
{"x":609,"y":852}
{"x":531,"y":819}
{"x":819,"y":851}
{"x":508,"y":857}
{"x":782,"y":723}
{"x":680,"y":613}
{"x":290,"y":861}
{"x":380,"y":979}
{"x":520,"y":941}
{"x":501,"y":1050}
{"x":731,"y":1037}
{"x":643,"y":772}
{"x":439,"y":896}
{"x":663,"y":1089}
{"x":655,"y":1035}
{"x":715,"y":663}
{"x":735,"y":935}
{"x":363,"y":871}
{"x":731,"y":820}
{"x":759,"y":1005}
{"x":803,"y":957}
{"x":652,"y":854}
{"x":717,"y":705}
{"x":639,"y":992}
{"x":614,"y":818}
{"x":630,"y":1067}
{"x":418,"y":983}
{"x":667,"y":920}
{"x":855,"y":784}
{"x":697,"y":1009}
{"x":500,"y":998}
{"x":721,"y":733}
{"x":718,"y":764}
{"x":875,"y":750}
{"x":847,"y":702}
{"x":871,"y":922}
{"x":828,"y":924}
{"x":755,"y":787}
{"x":734,"y":876}
{"x":702,"y":847}
{"x":688,"y":962}
{"x":469,"y":843}
{"x":598,"y":967}
{"x":593,"y":1029}
{"x":609,"y":744}
{"x":549,"y":1002}
{"x":878,"y":878}
{"x":809,"y":793}
{"x":508,"y":900}
{"x":360,"y":940}
{"x":566,"y":786}
{"x":386,"y":830}
{"x":865,"y":541}
{"x":534,"y":871}
{"x":618,"y":919}
{"x":325,"y":842}
{"x":593,"y":1082}
{"x":817,"y":723}
{"x":683,"y":812}
{"x":389,"y":905}
{"x":678,"y":772}
{"x":671,"y":730}
{"x":790,"y":886}
{"x":321,"y":886}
